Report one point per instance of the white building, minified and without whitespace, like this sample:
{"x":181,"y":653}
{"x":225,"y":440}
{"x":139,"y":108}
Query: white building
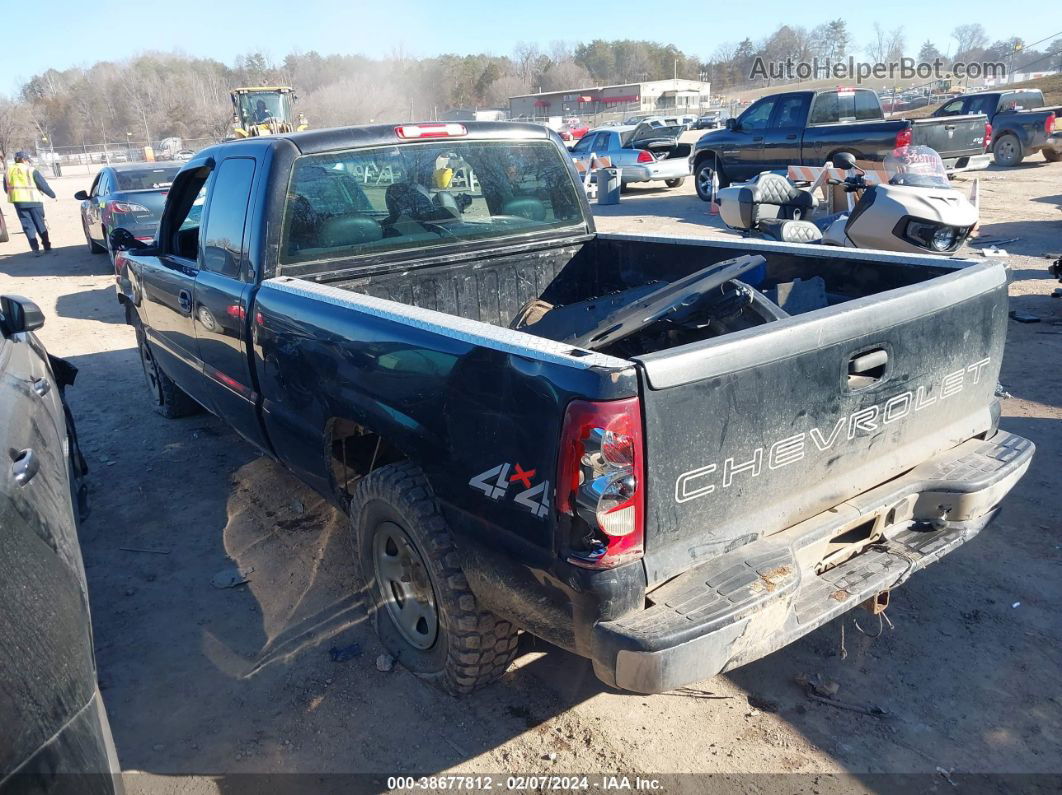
{"x":663,"y":96}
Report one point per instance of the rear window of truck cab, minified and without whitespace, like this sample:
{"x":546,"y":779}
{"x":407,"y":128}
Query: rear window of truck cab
{"x":845,"y":106}
{"x":418,"y":195}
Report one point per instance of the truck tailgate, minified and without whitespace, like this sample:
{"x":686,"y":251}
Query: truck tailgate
{"x":951,"y":136}
{"x":752,"y":432}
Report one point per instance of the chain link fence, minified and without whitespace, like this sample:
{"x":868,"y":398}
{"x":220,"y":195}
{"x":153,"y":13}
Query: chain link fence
{"x":88,"y":158}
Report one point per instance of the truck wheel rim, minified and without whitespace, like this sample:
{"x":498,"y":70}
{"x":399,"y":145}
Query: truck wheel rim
{"x":705,"y":178}
{"x":403,"y":586}
{"x":1007,"y":149}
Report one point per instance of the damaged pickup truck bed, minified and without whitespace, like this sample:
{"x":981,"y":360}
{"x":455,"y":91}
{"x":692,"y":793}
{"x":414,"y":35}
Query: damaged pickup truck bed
{"x":669,"y":456}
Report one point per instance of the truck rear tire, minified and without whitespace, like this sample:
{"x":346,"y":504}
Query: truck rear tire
{"x":425,"y":614}
{"x":1050,"y":155}
{"x":167,"y":398}
{"x":1007,"y":151}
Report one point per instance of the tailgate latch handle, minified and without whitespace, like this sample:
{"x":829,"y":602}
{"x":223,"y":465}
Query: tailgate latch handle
{"x":867,"y":368}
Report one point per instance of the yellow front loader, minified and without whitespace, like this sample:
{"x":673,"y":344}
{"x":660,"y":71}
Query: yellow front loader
{"x":265,"y":110}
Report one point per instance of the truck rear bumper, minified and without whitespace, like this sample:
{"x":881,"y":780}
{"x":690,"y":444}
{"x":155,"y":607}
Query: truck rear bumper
{"x":750,"y":602}
{"x":956,"y":165}
{"x":1054,"y":143}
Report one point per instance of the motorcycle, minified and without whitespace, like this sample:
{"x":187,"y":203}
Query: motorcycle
{"x":915,"y":211}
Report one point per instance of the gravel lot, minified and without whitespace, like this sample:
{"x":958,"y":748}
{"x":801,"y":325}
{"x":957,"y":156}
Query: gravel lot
{"x":207,"y":683}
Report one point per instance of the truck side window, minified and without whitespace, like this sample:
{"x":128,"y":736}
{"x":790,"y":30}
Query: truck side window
{"x":985,"y":105}
{"x":755,"y":118}
{"x":790,"y":113}
{"x":953,"y":108}
{"x":229,"y":198}
{"x":866,"y":106}
{"x":826,"y":110}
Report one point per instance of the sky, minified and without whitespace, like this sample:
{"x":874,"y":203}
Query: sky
{"x":223,"y":29}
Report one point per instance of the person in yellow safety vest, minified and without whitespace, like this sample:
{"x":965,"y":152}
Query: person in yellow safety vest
{"x":26,"y":188}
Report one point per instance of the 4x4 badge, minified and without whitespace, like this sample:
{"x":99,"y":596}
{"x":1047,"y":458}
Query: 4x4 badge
{"x":495,"y":482}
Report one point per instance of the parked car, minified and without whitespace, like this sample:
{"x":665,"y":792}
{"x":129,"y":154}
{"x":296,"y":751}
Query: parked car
{"x":54,"y":734}
{"x":128,"y":196}
{"x":647,"y":152}
{"x":4,"y":235}
{"x":709,"y":121}
{"x":913,"y":103}
{"x":611,"y":441}
{"x":1021,"y":123}
{"x":572,"y":130}
{"x":810,"y":127}
{"x":184,"y":155}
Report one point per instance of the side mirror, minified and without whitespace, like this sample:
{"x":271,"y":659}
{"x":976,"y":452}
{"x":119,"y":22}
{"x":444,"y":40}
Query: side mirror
{"x":18,"y":314}
{"x":123,"y":240}
{"x":844,"y":160}
{"x":731,"y":124}
{"x":81,"y":196}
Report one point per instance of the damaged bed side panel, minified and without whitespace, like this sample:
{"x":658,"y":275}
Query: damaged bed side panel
{"x":753,"y":432}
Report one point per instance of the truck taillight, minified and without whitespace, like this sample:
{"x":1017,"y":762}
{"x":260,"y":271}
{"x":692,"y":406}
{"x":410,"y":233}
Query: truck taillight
{"x":448,"y":130}
{"x":645,"y":156}
{"x":903,"y":138}
{"x":601,"y":484}
{"x":988,"y":135}
{"x":1049,"y":125}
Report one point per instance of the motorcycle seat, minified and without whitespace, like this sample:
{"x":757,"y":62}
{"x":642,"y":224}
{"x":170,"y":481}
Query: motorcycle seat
{"x":774,"y":189}
{"x":788,"y":231}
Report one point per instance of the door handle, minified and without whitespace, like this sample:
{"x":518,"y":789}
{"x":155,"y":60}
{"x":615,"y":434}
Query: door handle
{"x":867,"y":368}
{"x":757,"y":138}
{"x":949,"y":126}
{"x":42,"y":386}
{"x":859,"y":365}
{"x":24,"y":465}
{"x":184,"y":299}
{"x":791,"y":137}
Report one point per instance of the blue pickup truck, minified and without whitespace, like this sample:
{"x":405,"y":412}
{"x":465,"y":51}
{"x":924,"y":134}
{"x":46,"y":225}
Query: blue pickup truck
{"x":665,"y":455}
{"x":1022,"y":123}
{"x":810,"y":127}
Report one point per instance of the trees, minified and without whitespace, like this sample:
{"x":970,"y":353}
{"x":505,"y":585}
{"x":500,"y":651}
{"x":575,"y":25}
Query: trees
{"x":887,"y":46}
{"x":158,"y":95}
{"x":563,"y":75}
{"x":14,"y":128}
{"x":969,"y":39}
{"x":928,"y":52}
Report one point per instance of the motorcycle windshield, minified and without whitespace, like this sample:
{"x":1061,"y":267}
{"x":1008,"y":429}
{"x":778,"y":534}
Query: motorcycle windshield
{"x":916,"y":167}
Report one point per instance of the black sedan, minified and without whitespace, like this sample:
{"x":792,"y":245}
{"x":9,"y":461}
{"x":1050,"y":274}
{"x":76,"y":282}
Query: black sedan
{"x":54,"y":735}
{"x":128,"y":195}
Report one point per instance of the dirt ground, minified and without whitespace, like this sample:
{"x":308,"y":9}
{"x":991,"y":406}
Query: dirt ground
{"x":202,"y":683}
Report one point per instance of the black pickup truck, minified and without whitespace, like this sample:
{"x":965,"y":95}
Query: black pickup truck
{"x":617,"y":443}
{"x":1022,"y":124}
{"x":810,"y":127}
